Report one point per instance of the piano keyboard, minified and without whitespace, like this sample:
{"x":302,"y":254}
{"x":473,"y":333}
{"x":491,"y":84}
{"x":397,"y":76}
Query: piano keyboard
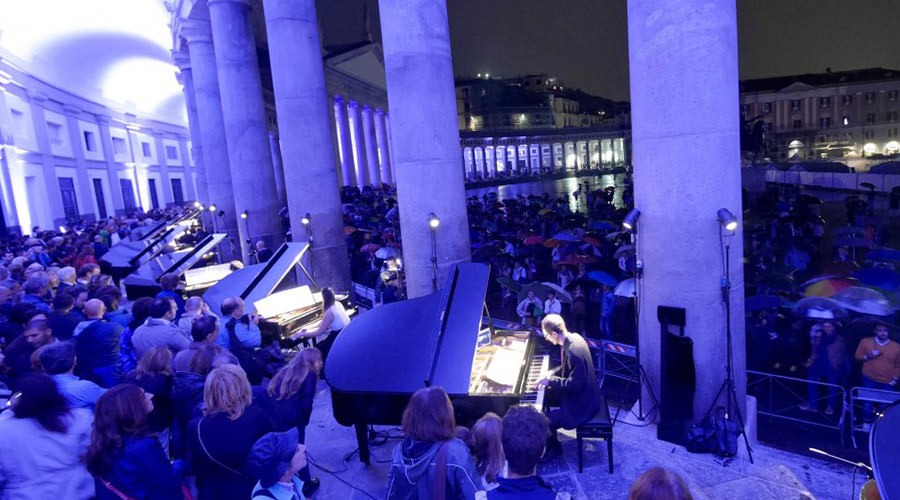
{"x":532,"y":396}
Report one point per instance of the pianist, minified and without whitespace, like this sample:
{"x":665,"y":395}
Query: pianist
{"x":334,"y":319}
{"x":576,"y":385}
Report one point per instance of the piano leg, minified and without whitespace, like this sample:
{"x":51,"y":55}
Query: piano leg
{"x":362,"y":440}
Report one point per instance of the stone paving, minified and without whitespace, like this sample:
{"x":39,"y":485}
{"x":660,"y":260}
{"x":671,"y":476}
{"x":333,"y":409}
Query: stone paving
{"x":776,"y":474}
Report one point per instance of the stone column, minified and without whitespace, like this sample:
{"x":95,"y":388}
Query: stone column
{"x":48,"y":166}
{"x":112,"y":168}
{"x":186,"y":77}
{"x":371,"y":152}
{"x":422,"y":100}
{"x":189,"y":189}
{"x":307,"y":148}
{"x":245,"y":123}
{"x":359,"y":145}
{"x":384,"y":154}
{"x":676,"y":47}
{"x":8,"y":159}
{"x":345,"y":148}
{"x":163,"y":160}
{"x":214,"y":149}
{"x":76,"y":141}
{"x":390,"y":147}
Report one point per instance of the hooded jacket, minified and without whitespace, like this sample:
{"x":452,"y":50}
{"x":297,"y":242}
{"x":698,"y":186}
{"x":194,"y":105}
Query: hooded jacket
{"x":413,"y":468}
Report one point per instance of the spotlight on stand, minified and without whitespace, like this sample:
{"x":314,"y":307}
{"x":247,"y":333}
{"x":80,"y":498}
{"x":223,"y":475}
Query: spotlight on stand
{"x":631,"y":220}
{"x":198,"y":205}
{"x":251,"y":251}
{"x":212,"y":208}
{"x":245,"y":215}
{"x":212,"y":215}
{"x":727,"y":219}
{"x":305,"y":219}
{"x":433,"y":223}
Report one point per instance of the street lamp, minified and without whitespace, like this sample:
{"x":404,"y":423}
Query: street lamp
{"x":212,"y":215}
{"x":245,"y":216}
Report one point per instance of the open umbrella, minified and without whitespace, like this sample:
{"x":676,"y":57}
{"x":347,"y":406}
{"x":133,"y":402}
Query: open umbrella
{"x":540,"y":290}
{"x":867,"y":185}
{"x":510,"y":283}
{"x":885,"y":279}
{"x":386,"y":252}
{"x":576,"y":260}
{"x":841,"y":268}
{"x":826,"y":286}
{"x":852,"y":241}
{"x":566,"y":236}
{"x":533,"y":240}
{"x":369,"y":248}
{"x":625,"y":288}
{"x":561,"y":292}
{"x":818,"y":308}
{"x":864,"y":300}
{"x":602,"y":277}
{"x":348,"y":230}
{"x":604,"y":225}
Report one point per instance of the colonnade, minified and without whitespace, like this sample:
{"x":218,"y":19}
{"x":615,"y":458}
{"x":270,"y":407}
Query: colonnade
{"x":498,"y":157}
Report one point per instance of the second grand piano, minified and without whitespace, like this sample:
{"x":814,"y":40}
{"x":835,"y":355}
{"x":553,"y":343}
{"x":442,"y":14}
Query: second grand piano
{"x":383,"y":356}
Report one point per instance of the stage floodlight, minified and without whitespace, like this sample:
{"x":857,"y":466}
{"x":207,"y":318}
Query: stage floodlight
{"x":631,"y":220}
{"x":727,"y":219}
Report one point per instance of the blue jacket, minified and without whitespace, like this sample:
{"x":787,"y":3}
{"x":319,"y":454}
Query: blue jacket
{"x":412,"y":471}
{"x":142,"y":470}
{"x":526,"y":488}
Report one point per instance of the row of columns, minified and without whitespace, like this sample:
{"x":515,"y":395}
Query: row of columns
{"x":493,"y":161}
{"x":363,"y":145}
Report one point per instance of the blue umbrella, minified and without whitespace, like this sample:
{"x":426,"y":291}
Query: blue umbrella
{"x":885,"y":279}
{"x":566,"y":236}
{"x":884,"y":254}
{"x":603,"y":225}
{"x":602,"y":277}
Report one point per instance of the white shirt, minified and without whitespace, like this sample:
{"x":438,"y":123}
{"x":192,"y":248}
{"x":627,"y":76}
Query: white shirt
{"x":554,"y":307}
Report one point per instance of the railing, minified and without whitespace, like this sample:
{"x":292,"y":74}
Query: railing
{"x":619,"y":360}
{"x":861,"y":396}
{"x":784,"y":397}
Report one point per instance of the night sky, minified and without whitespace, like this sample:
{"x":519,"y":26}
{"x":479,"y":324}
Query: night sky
{"x":585,"y":42}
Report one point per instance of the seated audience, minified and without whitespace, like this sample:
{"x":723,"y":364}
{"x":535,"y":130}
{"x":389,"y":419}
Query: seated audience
{"x":658,"y":483}
{"x":485,"y":441}
{"x":524,"y":437}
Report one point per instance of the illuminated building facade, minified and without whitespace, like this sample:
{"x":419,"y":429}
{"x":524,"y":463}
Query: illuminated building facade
{"x":842,"y":114}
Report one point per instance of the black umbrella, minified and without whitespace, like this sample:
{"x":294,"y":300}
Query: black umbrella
{"x":867,"y":185}
{"x":762,"y":302}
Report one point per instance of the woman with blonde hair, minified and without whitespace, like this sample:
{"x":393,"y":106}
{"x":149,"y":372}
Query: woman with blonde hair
{"x":658,"y":483}
{"x":431,"y":456}
{"x":288,"y":399}
{"x":220,"y":441}
{"x":485,"y":441}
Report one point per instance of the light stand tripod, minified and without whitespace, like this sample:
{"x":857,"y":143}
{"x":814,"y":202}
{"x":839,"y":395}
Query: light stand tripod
{"x":731,"y":401}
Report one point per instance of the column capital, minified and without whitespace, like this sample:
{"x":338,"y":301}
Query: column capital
{"x":366,"y":108}
{"x":379,"y":111}
{"x":196,"y":31}
{"x":70,"y":110}
{"x":353,"y":104}
{"x":182,"y":59}
{"x":102,"y":119}
{"x":338,"y":99}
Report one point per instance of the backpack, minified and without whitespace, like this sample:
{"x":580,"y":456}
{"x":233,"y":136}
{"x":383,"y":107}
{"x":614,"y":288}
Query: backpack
{"x":716,"y":433}
{"x":258,"y":363}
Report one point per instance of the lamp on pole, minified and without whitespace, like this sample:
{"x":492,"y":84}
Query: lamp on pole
{"x":245,"y":216}
{"x":433,"y":223}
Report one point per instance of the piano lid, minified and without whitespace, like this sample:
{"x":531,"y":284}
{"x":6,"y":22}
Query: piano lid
{"x":399,"y":348}
{"x":256,"y":281}
{"x":176,"y":262}
{"x":133,"y":253}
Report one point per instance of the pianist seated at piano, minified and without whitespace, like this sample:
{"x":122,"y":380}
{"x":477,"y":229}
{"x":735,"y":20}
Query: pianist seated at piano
{"x":430,"y":428}
{"x":334,"y":319}
{"x":575,"y":387}
{"x":245,"y":326}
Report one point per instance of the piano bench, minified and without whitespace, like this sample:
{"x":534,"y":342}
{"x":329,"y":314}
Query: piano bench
{"x":599,"y":427}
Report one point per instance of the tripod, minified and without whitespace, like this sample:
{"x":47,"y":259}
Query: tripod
{"x":731,"y":400}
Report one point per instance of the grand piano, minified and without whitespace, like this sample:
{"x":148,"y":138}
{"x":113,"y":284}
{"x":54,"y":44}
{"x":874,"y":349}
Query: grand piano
{"x":383,"y":356}
{"x":127,"y":255}
{"x":287,"y":302}
{"x":192,"y":265}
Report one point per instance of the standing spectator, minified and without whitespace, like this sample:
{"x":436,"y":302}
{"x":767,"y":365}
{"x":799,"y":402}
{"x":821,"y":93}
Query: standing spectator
{"x":158,"y":330}
{"x":42,"y":445}
{"x":58,"y":361}
{"x":85,"y":257}
{"x":34,"y":290}
{"x":430,"y":429}
{"x":524,"y":436}
{"x":607,"y":309}
{"x":220,"y":441}
{"x":552,"y":305}
{"x":530,"y":309}
{"x":288,"y":399}
{"x":263,"y":253}
{"x":827,"y":362}
{"x":880,"y":358}
{"x":154,"y":375}
{"x":204,"y":330}
{"x":194,"y":307}
{"x":124,"y":457}
{"x":112,"y":297}
{"x":97,"y":346}
{"x":66,"y":278}
{"x":86,"y":272}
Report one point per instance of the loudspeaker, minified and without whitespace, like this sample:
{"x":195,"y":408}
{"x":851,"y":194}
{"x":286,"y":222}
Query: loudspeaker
{"x":677,"y":376}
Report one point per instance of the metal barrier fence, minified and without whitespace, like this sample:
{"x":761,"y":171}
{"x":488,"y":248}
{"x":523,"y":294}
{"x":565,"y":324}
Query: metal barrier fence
{"x":866,"y":399}
{"x":787,"y":398}
{"x":619,"y":360}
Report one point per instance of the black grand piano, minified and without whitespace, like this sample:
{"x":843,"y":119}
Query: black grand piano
{"x":127,"y":255}
{"x":383,"y":356}
{"x":193,"y":266}
{"x":287,"y":301}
